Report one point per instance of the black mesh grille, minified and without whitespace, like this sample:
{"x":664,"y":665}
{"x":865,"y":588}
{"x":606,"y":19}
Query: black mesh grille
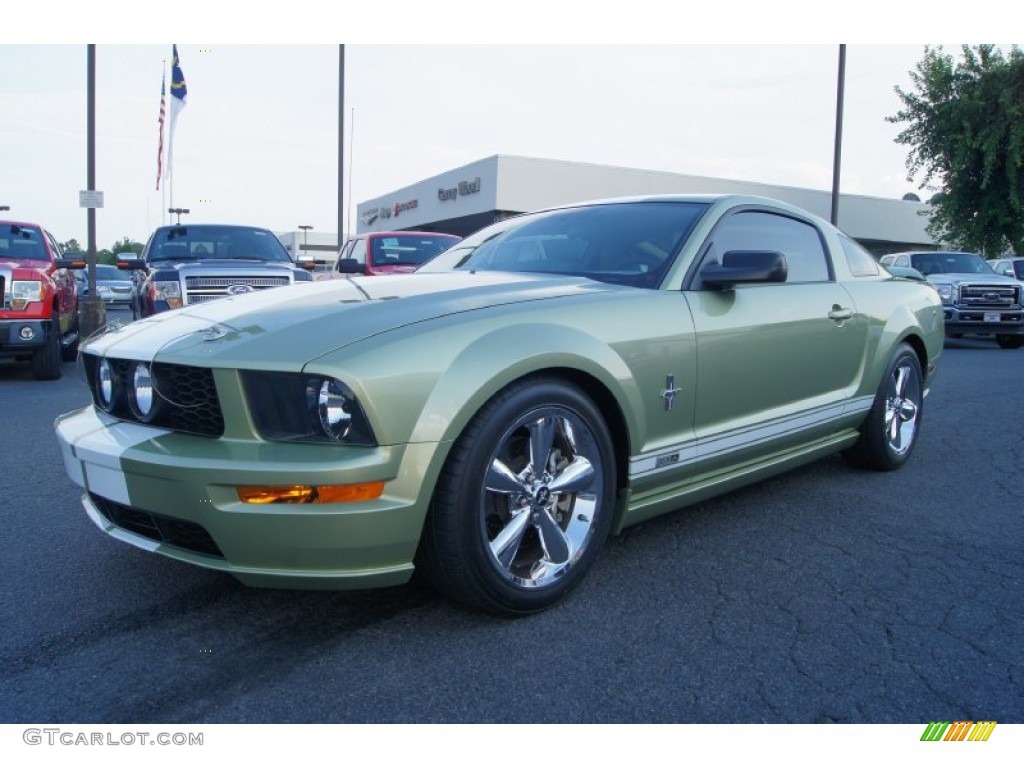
{"x":186,"y":396}
{"x":166,"y":530}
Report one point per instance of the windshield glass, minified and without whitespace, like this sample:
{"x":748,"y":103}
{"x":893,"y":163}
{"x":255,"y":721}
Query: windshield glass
{"x":629,"y":243}
{"x":408,"y":250}
{"x":18,"y":242}
{"x":108,"y":272}
{"x":950,"y":263}
{"x":205,"y":241}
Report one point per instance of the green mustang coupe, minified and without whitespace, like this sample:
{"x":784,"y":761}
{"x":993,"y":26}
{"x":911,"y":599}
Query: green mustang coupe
{"x":491,"y":418}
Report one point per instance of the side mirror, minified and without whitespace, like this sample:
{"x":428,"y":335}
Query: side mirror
{"x":745,"y":267}
{"x":308,"y":265}
{"x":907,"y":272}
{"x":71,"y":261}
{"x":131,"y":263}
{"x":348,"y":267}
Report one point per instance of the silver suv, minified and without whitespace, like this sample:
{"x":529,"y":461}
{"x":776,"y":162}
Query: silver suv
{"x":975,"y":299}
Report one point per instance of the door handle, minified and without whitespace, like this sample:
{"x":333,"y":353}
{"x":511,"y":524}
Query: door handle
{"x":840,"y":313}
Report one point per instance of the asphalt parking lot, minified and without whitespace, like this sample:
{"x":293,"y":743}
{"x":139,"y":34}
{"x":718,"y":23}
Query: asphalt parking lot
{"x":823,"y":595}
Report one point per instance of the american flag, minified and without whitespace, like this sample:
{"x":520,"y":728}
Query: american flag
{"x":160,"y":147}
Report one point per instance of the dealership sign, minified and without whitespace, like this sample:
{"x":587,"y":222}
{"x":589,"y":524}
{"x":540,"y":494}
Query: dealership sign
{"x":386,"y":212}
{"x":461,"y":190}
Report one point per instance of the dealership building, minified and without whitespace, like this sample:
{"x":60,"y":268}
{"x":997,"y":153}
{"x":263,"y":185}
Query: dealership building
{"x":463,"y":200}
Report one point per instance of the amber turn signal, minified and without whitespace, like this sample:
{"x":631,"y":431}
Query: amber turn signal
{"x":310,"y":494}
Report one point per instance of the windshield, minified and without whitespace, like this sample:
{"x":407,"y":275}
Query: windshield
{"x":206,"y":241}
{"x":108,"y":272}
{"x":18,"y":242}
{"x":950,"y":263}
{"x":408,"y":250}
{"x":631,"y":243}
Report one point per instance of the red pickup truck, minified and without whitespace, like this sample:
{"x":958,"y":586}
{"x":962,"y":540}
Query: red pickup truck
{"x":38,"y":300}
{"x":385,"y":253}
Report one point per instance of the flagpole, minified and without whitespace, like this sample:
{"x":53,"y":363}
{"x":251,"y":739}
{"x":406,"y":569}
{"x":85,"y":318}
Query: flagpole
{"x":178,"y":95}
{"x":163,"y":189}
{"x":351,"y":145}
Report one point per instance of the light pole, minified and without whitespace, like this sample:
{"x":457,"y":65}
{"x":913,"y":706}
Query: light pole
{"x":305,"y":237}
{"x":178,"y":212}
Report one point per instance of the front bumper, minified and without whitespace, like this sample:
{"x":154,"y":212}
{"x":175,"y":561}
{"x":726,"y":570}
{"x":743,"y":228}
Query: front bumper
{"x":11,"y":341}
{"x":1001,"y":321}
{"x":175,"y":494}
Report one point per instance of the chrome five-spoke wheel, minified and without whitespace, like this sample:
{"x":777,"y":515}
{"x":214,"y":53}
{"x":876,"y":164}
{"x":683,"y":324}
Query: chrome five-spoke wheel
{"x":540,"y":496}
{"x":902,"y":407}
{"x":889,"y":432}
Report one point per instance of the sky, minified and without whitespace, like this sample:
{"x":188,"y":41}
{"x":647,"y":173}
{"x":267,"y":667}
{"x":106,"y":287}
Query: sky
{"x":257,"y":141}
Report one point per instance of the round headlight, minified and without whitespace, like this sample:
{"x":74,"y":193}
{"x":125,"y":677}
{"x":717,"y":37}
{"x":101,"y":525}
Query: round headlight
{"x":142,"y":399}
{"x":105,"y":384}
{"x":331,"y":401}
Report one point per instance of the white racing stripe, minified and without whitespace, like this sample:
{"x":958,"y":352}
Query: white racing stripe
{"x":92,"y":445}
{"x":694,"y":451}
{"x":143,"y":339}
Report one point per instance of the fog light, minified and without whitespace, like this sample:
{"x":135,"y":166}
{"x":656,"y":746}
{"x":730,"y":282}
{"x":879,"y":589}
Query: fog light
{"x":26,"y":333}
{"x":142,"y":398}
{"x":105,"y":384}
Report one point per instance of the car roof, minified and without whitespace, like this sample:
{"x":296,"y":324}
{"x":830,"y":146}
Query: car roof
{"x":191,"y":225}
{"x":941,"y":253}
{"x":401,"y":232}
{"x":5,"y":223}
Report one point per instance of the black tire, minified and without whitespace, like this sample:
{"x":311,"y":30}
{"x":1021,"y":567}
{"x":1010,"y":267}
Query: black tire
{"x":1009,"y":342}
{"x":552,"y":525}
{"x":46,"y":360}
{"x":889,"y":433}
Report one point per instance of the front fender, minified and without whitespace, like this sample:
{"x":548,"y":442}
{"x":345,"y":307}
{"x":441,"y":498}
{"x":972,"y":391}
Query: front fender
{"x":422,"y":388}
{"x":496,"y":359}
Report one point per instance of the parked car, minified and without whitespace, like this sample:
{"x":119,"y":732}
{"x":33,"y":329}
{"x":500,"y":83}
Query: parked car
{"x":38,"y":300}
{"x":1012,"y":266}
{"x":492,"y":417}
{"x":386,"y":253}
{"x":112,"y":284}
{"x":975,"y":299}
{"x":185,"y":264}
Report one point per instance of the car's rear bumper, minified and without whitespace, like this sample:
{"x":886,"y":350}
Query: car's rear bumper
{"x":177,"y":495}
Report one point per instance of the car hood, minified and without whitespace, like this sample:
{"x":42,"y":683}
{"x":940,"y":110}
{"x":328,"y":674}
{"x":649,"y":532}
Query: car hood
{"x":115,"y":283}
{"x":968,"y":277}
{"x":247,"y":264}
{"x":393,"y":269}
{"x":287,"y":327}
{"x":42,"y":267}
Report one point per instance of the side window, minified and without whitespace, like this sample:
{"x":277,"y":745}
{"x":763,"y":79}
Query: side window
{"x":359,"y":250}
{"x":860,"y":261}
{"x":798,"y":241}
{"x":902,"y":261}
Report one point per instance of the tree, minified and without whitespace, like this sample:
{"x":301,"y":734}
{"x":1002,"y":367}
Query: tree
{"x":126,"y":245}
{"x":965,"y":129}
{"x":71,"y":246}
